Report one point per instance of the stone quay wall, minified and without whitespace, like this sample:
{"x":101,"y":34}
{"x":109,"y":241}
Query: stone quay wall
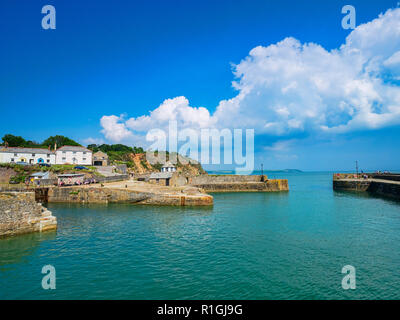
{"x":385,"y":188}
{"x":272,"y":185}
{"x":351,"y":185}
{"x":228,"y":178}
{"x":114,"y":195}
{"x":19,"y":214}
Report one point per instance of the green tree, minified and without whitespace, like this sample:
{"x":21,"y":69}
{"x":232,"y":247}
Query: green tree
{"x":93,"y":147}
{"x":60,"y":141}
{"x":115,"y":148}
{"x":138,"y":150}
{"x":14,"y":141}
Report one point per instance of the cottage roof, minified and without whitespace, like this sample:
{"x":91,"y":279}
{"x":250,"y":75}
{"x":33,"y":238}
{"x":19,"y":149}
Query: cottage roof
{"x":39,"y":174}
{"x":161,"y":175}
{"x":74,"y":149}
{"x":25,"y":150}
{"x":168,"y":164}
{"x":43,"y":175}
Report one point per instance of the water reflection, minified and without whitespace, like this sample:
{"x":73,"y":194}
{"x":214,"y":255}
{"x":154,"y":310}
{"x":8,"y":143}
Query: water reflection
{"x":364,"y":195}
{"x":17,"y":249}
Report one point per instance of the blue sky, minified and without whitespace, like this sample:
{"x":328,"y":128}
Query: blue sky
{"x":126,"y":57}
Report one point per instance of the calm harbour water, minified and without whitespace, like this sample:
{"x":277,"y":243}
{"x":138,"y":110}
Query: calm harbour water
{"x":248,"y":246}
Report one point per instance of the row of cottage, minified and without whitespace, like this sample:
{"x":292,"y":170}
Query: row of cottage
{"x":65,"y":155}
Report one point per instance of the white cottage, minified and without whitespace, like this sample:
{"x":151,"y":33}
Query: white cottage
{"x":27,"y":155}
{"x":168,"y":167}
{"x":74,"y":155}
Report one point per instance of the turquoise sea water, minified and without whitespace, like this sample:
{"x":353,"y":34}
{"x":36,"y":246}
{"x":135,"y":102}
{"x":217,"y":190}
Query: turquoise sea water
{"x":248,"y":246}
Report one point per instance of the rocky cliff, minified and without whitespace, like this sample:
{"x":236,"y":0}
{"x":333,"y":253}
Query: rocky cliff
{"x":140,"y":165}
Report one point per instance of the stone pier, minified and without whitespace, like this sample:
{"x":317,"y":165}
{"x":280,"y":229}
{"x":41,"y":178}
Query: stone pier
{"x":239,"y":183}
{"x":20,"y":213}
{"x":134,"y":192}
{"x":373,"y":184}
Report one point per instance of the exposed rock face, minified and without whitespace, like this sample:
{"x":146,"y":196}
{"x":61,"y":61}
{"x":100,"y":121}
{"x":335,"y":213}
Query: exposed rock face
{"x":142,"y":166}
{"x":6,"y":174}
{"x":19,"y":213}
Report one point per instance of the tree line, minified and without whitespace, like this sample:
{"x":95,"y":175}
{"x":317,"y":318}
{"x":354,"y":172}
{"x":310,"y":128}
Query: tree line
{"x":106,"y":148}
{"x":18,"y":141}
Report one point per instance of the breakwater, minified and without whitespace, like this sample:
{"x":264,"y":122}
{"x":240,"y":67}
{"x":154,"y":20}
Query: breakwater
{"x":133,"y":192}
{"x":20,"y":213}
{"x":382,"y":185}
{"x":239,"y":183}
{"x":186,"y":197}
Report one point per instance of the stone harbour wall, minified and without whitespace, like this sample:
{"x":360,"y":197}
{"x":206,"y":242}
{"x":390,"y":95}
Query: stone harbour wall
{"x":273,"y":185}
{"x":113,"y":195}
{"x":224,"y":178}
{"x":20,"y":213}
{"x":385,"y":188}
{"x":351,"y":185}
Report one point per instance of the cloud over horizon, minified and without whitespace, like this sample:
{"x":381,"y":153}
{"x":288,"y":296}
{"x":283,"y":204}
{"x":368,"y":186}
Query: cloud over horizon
{"x":290,"y":88}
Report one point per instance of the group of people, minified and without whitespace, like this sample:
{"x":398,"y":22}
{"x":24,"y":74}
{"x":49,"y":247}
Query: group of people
{"x":69,"y":182}
{"x":380,"y":172}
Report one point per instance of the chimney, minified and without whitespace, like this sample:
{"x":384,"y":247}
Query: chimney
{"x":55,"y":146}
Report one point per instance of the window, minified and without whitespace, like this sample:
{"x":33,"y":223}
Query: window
{"x":74,"y":152}
{"x":48,"y":161}
{"x":63,"y":158}
{"x":33,"y":154}
{"x":84,"y":153}
{"x":48,"y":156}
{"x":84,"y":159}
{"x":12,"y":159}
{"x":15,"y":154}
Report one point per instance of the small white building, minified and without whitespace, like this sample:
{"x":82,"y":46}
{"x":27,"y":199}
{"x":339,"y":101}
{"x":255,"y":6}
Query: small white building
{"x":168,"y":167}
{"x":27,"y":155}
{"x":74,"y":155}
{"x":40,"y":175}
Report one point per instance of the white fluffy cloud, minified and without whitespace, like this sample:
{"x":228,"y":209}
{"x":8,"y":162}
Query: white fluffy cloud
{"x":114,"y":128}
{"x":172,"y":109}
{"x":290,"y":87}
